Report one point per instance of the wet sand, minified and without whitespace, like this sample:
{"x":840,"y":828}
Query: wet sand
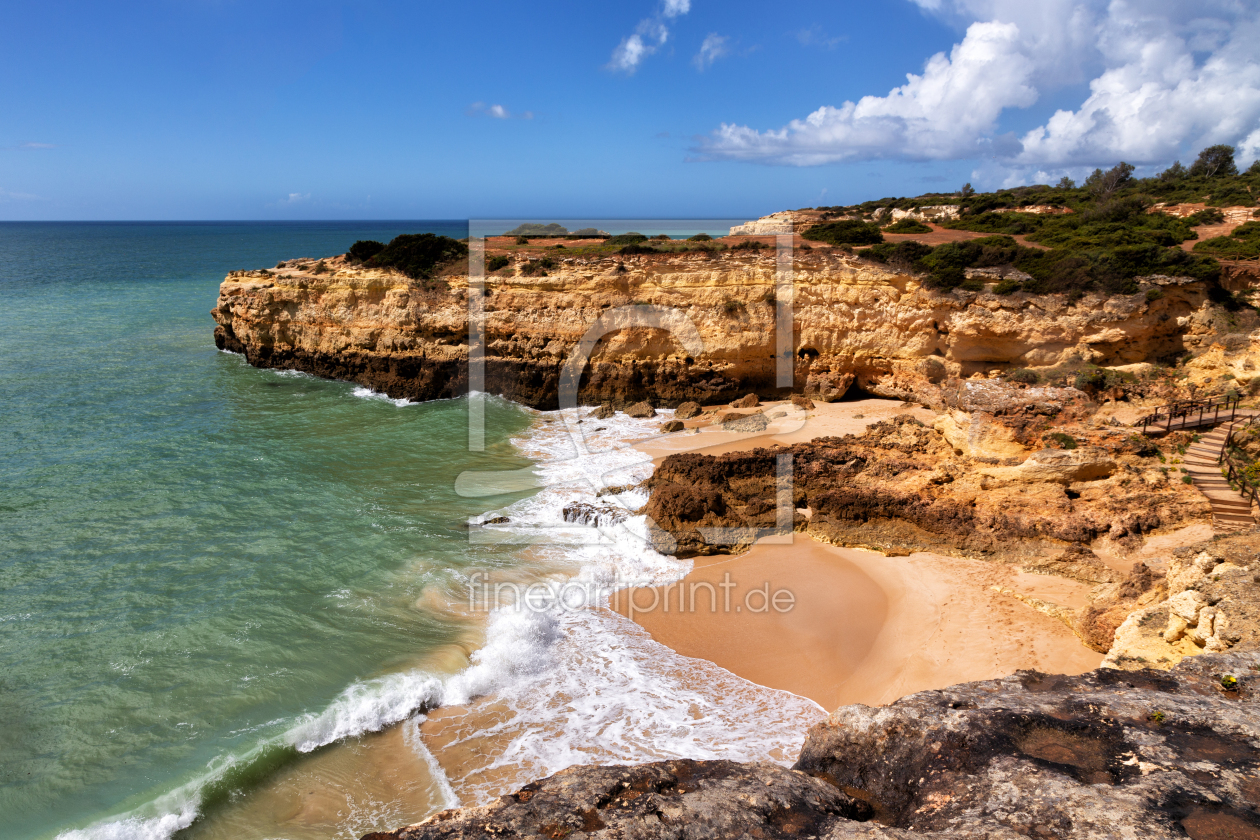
{"x":867,"y":628}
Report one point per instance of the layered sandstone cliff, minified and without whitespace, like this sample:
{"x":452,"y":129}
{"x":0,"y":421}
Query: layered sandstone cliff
{"x":854,"y":321}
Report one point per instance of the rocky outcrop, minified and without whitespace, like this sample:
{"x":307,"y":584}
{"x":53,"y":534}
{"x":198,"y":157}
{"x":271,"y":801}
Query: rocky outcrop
{"x":856,"y":324}
{"x":903,"y":487}
{"x":1207,"y":601}
{"x":1108,"y":754}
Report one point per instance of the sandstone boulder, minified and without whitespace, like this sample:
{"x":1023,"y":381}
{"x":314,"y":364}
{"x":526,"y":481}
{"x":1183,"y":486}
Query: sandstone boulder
{"x":603,"y":412}
{"x":802,"y":401}
{"x":747,"y":401}
{"x":825,"y":386}
{"x":673,"y":426}
{"x":640,"y":410}
{"x":687,"y":410}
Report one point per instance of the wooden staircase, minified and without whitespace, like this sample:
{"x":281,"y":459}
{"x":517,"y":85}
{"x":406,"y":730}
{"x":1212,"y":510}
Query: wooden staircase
{"x":1202,"y":462}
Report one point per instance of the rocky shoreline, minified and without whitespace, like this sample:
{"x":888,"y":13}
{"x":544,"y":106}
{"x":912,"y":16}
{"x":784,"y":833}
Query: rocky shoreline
{"x":1107,"y":754}
{"x":1040,"y":477}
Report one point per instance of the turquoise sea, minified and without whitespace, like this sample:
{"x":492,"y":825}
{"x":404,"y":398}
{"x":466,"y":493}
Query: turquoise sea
{"x":194,"y":553}
{"x":217,"y":581}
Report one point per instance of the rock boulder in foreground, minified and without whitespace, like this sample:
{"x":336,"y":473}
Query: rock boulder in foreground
{"x":1110,"y":754}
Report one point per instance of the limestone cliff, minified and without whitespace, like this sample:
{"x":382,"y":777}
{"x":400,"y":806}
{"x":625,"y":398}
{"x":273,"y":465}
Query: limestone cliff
{"x":854,"y":321}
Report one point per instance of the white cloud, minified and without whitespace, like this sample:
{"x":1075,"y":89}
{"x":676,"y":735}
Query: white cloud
{"x":939,"y":114}
{"x":296,"y":198}
{"x":674,"y":8}
{"x":714,"y":47}
{"x":496,"y":111}
{"x":648,"y":37}
{"x":1165,"y":77}
{"x":34,"y":146}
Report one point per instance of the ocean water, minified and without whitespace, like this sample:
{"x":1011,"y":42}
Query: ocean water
{"x":217,"y":581}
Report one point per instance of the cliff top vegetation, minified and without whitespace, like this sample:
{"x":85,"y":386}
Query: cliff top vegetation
{"x":1104,"y":236}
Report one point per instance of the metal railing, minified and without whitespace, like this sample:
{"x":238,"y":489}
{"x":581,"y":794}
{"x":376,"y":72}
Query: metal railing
{"x":1187,"y":414}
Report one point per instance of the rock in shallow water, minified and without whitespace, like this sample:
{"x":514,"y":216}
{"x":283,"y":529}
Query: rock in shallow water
{"x":640,"y":409}
{"x":1142,"y":754}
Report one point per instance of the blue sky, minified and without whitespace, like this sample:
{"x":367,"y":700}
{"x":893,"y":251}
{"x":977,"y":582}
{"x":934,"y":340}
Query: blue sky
{"x":216,"y":109}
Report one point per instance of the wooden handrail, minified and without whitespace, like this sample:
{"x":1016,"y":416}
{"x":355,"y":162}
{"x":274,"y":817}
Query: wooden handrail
{"x":1210,"y":410}
{"x":1232,"y":474}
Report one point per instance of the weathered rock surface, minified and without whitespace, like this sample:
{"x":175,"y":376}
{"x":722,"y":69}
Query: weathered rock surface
{"x":687,"y":410}
{"x":640,"y":409}
{"x":1147,"y":754}
{"x":857,"y":324}
{"x":672,"y":426}
{"x":901,"y":487}
{"x":1207,"y":601}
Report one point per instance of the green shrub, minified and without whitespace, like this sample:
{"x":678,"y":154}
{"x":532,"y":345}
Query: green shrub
{"x":1024,"y":376}
{"x":700,"y":237}
{"x":1243,"y":242}
{"x":973,"y":284}
{"x":731,"y":308}
{"x":750,"y":245}
{"x":664,"y":237}
{"x":908,"y":225}
{"x":845,"y":232}
{"x":418,"y":255}
{"x":1058,"y":440}
{"x":537,"y":268}
{"x":522,"y":240}
{"x":319,"y":268}
{"x":496,"y":262}
{"x":1154,"y":294}
{"x":1007,"y":285}
{"x":364,"y":250}
{"x":627,"y":239}
{"x":1207,"y":216}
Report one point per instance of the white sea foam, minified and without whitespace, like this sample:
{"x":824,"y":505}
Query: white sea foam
{"x":581,"y":686}
{"x":368,"y":394}
{"x":586,"y":685}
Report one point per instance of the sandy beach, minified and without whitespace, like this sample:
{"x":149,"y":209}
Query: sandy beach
{"x":862,"y":627}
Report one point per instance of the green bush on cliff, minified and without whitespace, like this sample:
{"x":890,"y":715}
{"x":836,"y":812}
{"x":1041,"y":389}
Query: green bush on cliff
{"x":418,"y":255}
{"x":626,"y":239}
{"x":496,"y":262}
{"x":364,"y":250}
{"x":1242,"y":243}
{"x":908,"y":225}
{"x":845,"y":232}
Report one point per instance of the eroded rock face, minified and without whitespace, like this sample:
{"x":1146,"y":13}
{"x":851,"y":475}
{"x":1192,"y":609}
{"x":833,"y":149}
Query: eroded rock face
{"x":857,"y":323}
{"x":1148,"y":754}
{"x":901,"y":487}
{"x":1207,"y":601}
